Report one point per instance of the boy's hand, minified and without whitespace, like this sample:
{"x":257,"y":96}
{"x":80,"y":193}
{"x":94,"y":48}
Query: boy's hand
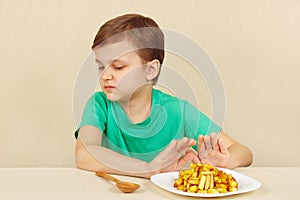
{"x":212,"y":150}
{"x":171,"y":158}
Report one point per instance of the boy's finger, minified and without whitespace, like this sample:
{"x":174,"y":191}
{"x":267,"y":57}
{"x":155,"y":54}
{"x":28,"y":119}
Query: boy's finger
{"x":192,"y":142}
{"x":171,"y":146}
{"x":213,"y":139}
{"x":185,"y":144}
{"x":189,"y":156}
{"x":222,"y":146}
{"x":180,"y":144}
{"x":195,"y":159}
{"x":201,"y":147}
{"x":165,"y":154}
{"x":207,"y":142}
{"x":189,"y":142}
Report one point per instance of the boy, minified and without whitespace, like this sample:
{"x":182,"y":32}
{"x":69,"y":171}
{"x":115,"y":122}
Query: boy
{"x":132,"y":129}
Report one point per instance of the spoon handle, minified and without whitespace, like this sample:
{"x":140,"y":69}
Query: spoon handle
{"x":107,"y":177}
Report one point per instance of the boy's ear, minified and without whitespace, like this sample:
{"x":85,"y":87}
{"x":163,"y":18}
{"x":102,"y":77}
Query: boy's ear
{"x":152,"y":69}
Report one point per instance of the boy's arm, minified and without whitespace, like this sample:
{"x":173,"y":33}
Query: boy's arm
{"x":85,"y":160}
{"x":89,"y":155}
{"x":240,"y":155}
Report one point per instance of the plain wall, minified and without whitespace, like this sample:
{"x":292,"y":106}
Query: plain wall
{"x":254,"y":43}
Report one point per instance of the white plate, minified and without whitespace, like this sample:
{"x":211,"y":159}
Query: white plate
{"x":166,"y":181}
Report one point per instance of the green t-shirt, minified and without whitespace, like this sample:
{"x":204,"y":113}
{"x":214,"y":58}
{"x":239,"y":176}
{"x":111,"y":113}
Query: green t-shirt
{"x":170,"y":118}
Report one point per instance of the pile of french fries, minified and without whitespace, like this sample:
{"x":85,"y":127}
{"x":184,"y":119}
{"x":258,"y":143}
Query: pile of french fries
{"x":205,"y":179}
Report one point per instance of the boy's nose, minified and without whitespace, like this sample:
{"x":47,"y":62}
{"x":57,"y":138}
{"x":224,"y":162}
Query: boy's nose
{"x":107,"y":75}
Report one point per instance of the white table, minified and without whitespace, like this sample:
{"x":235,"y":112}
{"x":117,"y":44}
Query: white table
{"x":73,"y":184}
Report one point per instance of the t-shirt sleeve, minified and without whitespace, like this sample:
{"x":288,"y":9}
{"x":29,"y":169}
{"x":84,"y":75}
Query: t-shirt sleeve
{"x":197,"y":123}
{"x":95,"y":113}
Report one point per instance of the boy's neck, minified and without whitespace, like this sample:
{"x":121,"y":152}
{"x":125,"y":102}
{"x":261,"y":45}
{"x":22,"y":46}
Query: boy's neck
{"x":138,"y":108}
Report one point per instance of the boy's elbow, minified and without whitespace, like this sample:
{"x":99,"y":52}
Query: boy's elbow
{"x":84,"y":160}
{"x":81,"y":157}
{"x":78,"y":160}
{"x":79,"y":163}
{"x":249,"y":156}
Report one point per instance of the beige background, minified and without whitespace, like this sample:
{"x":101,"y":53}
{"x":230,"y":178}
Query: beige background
{"x":254,"y":43}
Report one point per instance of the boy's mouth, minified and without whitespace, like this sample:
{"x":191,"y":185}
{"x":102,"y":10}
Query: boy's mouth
{"x":109,"y":87}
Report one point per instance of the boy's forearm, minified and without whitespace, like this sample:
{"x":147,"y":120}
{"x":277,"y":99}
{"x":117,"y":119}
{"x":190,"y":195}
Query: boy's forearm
{"x":92,"y":162}
{"x":241,"y":156}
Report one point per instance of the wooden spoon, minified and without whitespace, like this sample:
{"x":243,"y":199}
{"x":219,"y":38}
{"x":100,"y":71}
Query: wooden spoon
{"x":125,"y":187}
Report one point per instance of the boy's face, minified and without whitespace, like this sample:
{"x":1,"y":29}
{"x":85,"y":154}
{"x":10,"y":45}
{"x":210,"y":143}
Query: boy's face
{"x":121,"y":70}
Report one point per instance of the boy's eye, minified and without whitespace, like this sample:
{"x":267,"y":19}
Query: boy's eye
{"x":119,"y":67}
{"x":101,"y":68}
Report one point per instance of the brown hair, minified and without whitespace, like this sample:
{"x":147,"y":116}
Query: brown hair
{"x":143,"y":31}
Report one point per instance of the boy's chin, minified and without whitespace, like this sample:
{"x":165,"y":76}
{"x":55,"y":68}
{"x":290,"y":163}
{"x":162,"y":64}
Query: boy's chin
{"x":117,"y":96}
{"x":112,"y":97}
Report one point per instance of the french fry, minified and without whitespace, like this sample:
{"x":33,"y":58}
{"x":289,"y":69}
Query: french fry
{"x":207,"y":183}
{"x":232,"y":189}
{"x":232,"y":183}
{"x":202,"y":191}
{"x":194,"y":188}
{"x":212,"y":191}
{"x":202,"y":182}
{"x":194,"y":181}
{"x":180,"y":187}
{"x":211,"y":181}
{"x":221,"y":190}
